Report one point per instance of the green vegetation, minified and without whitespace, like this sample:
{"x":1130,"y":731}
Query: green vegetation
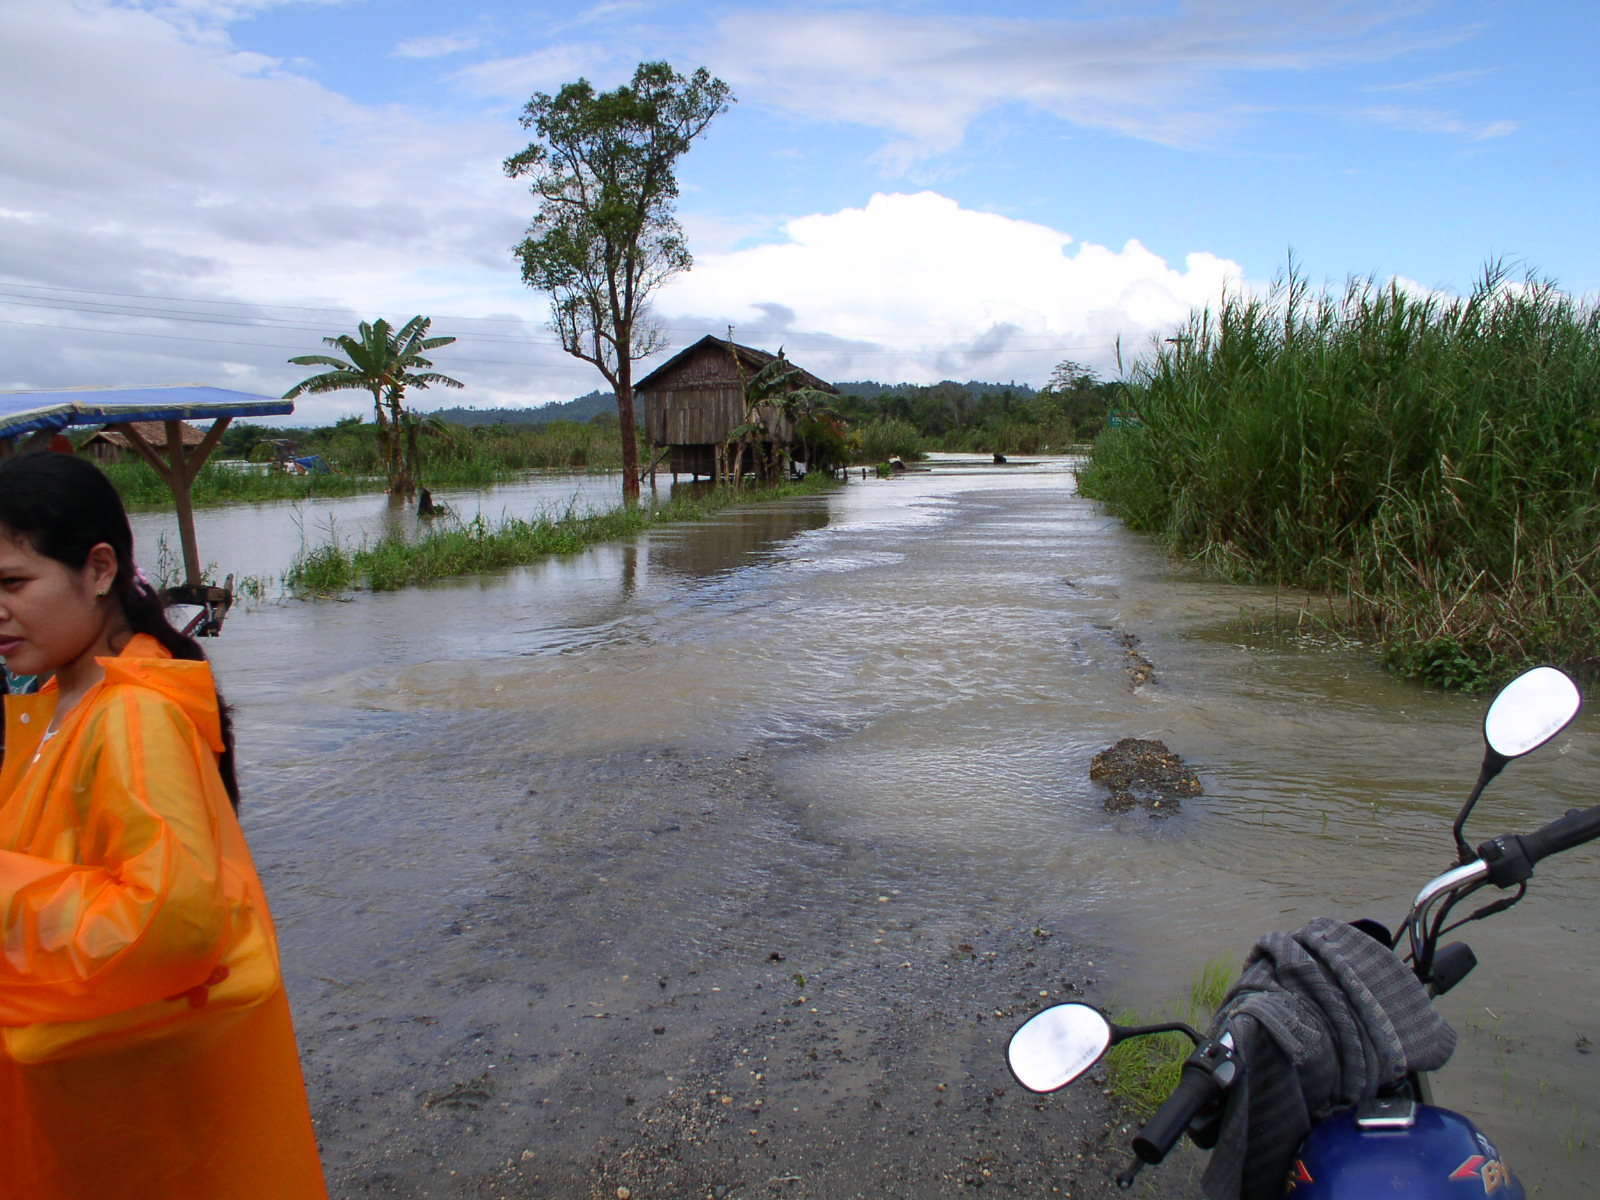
{"x":883,"y":438}
{"x":385,"y":362}
{"x":1435,"y":461}
{"x":142,"y":489}
{"x":871,"y":425}
{"x":1143,"y":1071}
{"x":476,"y":546}
{"x":466,"y":456}
{"x":461,"y":458}
{"x":777,"y":393}
{"x":977,"y":417}
{"x":601,"y":166}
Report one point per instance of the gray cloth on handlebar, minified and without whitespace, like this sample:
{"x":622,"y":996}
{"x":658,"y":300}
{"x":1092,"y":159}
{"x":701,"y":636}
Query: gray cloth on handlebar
{"x":1322,"y":1018}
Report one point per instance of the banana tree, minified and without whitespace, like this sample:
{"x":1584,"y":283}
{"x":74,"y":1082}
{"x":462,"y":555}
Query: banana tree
{"x":414,"y":426}
{"x":770,"y":395}
{"x":818,"y":424}
{"x":385,"y":362}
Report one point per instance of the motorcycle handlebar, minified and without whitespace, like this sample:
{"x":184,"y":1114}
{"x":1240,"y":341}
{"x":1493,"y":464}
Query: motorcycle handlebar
{"x":1197,"y":1087}
{"x":1574,"y":829}
{"x":1510,"y":857}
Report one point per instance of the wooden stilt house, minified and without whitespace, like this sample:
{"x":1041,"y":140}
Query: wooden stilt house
{"x":696,"y":399}
{"x":110,"y":445}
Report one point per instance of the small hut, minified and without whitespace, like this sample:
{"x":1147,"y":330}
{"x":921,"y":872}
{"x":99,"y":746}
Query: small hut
{"x":108,"y":445}
{"x":696,"y":399}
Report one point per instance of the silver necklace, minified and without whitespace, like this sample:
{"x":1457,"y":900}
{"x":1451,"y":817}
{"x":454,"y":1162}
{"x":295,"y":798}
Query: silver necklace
{"x":50,"y":731}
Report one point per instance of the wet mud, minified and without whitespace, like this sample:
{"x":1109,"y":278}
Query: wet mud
{"x":1144,"y":773}
{"x":1139,"y":668}
{"x":669,"y":985}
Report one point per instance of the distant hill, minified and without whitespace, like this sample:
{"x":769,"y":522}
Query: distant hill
{"x":584,"y":408}
{"x":596,"y":403}
{"x":869,"y":389}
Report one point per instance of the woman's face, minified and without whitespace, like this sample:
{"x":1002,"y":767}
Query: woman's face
{"x":50,"y":615}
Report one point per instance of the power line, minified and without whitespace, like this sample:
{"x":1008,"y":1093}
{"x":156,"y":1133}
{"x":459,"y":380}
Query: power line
{"x":340,"y":310}
{"x":181,"y":337}
{"x":456,"y":362}
{"x":101,"y":307}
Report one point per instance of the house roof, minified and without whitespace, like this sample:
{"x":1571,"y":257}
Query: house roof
{"x":26,"y":412}
{"x":748,"y":356}
{"x":153,"y":432}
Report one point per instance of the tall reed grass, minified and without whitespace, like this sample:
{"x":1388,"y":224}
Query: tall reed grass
{"x":1435,"y":460}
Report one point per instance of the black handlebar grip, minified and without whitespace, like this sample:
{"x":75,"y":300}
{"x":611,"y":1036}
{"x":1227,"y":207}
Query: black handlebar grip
{"x":1197,"y":1087}
{"x":1574,"y":829}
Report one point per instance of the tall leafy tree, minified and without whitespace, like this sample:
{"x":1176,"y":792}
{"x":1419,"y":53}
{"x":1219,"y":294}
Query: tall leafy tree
{"x":385,"y":362}
{"x":1074,"y":393}
{"x":604,"y":237}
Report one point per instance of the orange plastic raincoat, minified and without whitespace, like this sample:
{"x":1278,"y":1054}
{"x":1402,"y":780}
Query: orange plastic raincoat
{"x":147,"y":1052}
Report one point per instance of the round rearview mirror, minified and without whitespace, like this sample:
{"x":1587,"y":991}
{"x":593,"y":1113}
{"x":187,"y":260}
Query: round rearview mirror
{"x":1057,"y":1045}
{"x":1532,"y":709}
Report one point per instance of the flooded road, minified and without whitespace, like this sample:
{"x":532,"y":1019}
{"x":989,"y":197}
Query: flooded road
{"x":725,"y":858}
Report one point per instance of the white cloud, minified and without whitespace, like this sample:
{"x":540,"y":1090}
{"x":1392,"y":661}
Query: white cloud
{"x":1431,"y":120}
{"x":283,"y":210}
{"x":1437,"y":120}
{"x":1431,"y":83}
{"x":439,"y":46}
{"x":915,"y":287}
{"x":242,"y":182}
{"x":610,"y":11}
{"x":925,"y":80}
{"x":547,"y":69}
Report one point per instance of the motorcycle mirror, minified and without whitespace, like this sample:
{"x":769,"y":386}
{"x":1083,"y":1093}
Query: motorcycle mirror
{"x":1056,"y":1045}
{"x":1528,"y":712}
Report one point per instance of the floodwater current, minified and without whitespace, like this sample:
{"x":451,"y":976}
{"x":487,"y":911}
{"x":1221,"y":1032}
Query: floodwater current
{"x":931,"y":661}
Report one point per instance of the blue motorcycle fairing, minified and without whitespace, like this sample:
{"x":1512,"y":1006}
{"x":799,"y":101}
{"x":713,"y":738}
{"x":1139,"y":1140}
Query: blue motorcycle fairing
{"x":1443,"y":1156}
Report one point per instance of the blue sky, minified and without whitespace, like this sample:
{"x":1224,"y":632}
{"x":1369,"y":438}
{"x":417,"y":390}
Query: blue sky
{"x":196,"y":189}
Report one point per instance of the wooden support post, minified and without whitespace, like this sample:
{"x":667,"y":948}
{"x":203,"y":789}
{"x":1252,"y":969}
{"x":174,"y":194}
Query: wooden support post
{"x":655,"y":461}
{"x":178,"y":472}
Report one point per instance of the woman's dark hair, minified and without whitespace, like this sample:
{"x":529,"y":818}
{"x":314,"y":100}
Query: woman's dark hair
{"x":65,"y":506}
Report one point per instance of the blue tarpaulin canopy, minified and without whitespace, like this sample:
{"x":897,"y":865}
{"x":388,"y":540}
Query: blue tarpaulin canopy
{"x":23,"y":413}
{"x":29,"y":419}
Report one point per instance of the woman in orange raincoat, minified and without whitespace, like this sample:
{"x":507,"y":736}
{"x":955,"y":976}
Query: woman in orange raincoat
{"x":146,"y":1051}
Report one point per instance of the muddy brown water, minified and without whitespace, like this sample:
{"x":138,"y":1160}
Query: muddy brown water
{"x":721,"y":861}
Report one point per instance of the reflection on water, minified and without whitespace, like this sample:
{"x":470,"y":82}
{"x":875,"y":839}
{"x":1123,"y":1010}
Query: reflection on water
{"x":935,"y":658}
{"x":262,"y":540}
{"x":730,"y":543}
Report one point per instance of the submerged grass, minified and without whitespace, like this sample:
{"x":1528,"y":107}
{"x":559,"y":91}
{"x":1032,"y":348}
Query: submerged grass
{"x":1143,"y":1071}
{"x":1435,"y":461}
{"x":476,"y":546}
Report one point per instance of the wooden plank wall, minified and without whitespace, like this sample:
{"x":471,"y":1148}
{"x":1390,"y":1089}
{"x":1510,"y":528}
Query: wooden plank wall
{"x":700,"y":403}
